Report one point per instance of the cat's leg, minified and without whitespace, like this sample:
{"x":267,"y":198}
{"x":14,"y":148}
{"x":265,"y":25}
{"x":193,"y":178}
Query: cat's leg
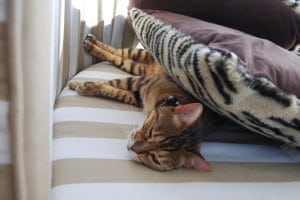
{"x":137,"y":55}
{"x":127,"y":65}
{"x":126,"y":90}
{"x":102,"y":89}
{"x":91,"y":38}
{"x":133,"y":84}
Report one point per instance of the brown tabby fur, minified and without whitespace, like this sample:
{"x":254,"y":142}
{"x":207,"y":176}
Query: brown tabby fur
{"x":175,"y":122}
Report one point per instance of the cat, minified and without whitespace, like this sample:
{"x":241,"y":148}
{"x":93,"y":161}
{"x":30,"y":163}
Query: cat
{"x":175,"y":122}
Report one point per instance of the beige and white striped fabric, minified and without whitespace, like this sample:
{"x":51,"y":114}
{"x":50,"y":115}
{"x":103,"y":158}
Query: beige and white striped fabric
{"x":44,"y":52}
{"x":6,"y":168}
{"x":88,"y":151}
{"x":90,"y":159}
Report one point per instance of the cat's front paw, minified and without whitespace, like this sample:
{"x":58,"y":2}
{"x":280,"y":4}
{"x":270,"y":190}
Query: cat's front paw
{"x":73,"y":84}
{"x":80,"y":86}
{"x":87,"y":88}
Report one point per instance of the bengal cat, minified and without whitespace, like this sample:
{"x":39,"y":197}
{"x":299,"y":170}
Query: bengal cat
{"x":175,"y":122}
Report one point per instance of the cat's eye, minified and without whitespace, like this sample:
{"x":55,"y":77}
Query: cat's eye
{"x":170,"y":101}
{"x":154,"y":158}
{"x":149,"y":133}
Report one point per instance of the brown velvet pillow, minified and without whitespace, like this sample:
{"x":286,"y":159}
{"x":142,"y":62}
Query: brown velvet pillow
{"x":268,"y":19}
{"x":262,"y":58}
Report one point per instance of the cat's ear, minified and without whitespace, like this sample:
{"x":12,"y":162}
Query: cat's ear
{"x":188,"y":113}
{"x":196,"y":161}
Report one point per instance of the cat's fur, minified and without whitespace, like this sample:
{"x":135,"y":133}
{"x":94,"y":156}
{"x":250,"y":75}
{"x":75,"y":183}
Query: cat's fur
{"x":175,"y":122}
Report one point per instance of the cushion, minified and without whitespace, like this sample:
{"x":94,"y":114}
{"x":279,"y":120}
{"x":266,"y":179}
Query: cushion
{"x":268,"y":19}
{"x":264,"y":62}
{"x":247,"y":79}
{"x":91,"y":161}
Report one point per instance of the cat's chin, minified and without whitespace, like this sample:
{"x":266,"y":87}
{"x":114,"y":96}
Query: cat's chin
{"x":132,"y":154}
{"x":130,"y":143}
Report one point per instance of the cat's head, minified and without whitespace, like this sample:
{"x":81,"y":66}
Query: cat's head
{"x":164,"y":140}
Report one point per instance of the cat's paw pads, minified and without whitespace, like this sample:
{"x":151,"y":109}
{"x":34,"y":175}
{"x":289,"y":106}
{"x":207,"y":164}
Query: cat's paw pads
{"x":91,"y":38}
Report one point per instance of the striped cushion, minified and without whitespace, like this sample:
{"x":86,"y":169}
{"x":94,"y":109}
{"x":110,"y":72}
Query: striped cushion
{"x":90,"y":159}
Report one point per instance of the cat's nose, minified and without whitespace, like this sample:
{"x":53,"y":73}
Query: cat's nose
{"x":138,"y":147}
{"x":135,"y":149}
{"x":132,"y":154}
{"x":133,"y":146}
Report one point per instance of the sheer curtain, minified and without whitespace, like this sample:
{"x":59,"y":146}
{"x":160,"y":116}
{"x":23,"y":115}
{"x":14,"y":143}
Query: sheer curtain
{"x":45,"y":50}
{"x":31,"y":28}
{"x":105,"y":19}
{"x":6,"y":176}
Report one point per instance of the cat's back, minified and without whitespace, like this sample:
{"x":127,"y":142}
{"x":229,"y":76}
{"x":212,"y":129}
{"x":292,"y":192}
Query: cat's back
{"x":159,"y":87}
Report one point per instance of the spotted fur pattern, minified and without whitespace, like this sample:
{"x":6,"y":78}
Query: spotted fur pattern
{"x":220,"y":81}
{"x":175,"y":122}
